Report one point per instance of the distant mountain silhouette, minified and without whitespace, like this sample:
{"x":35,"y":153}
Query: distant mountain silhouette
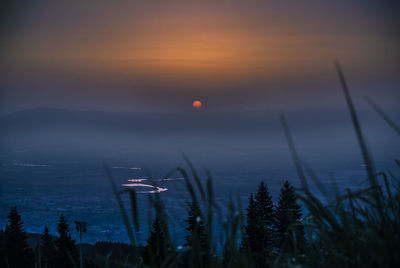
{"x":197,"y":121}
{"x":61,"y":130}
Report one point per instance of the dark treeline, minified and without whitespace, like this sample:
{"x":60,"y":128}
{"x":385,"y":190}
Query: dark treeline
{"x":269,"y":230}
{"x":59,"y":251}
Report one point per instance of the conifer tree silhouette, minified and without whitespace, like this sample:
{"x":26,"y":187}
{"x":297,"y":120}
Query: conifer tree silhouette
{"x":48,"y":249}
{"x":265,"y":212}
{"x":290,"y":231}
{"x":197,"y":238}
{"x":67,"y":252}
{"x":157,"y":247}
{"x":17,"y":252}
{"x":260,"y":226}
{"x":253,"y":227}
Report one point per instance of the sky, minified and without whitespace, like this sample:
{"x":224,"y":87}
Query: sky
{"x":159,"y":56}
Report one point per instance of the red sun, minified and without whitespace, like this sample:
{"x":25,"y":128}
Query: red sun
{"x":197,"y":104}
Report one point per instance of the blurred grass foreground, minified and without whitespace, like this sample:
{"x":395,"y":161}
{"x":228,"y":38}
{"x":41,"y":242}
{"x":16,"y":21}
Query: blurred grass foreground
{"x":348,"y":229}
{"x":353,"y":229}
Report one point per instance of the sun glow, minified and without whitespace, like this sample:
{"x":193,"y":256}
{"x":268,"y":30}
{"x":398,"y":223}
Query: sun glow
{"x":197,"y":104}
{"x":192,"y":44}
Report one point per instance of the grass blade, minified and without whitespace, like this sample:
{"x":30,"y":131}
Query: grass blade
{"x":121,"y":205}
{"x":357,"y":127}
{"x":384,"y":116}
{"x":296,"y":158}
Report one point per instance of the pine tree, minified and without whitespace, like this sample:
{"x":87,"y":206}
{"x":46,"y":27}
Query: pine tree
{"x":47,"y":248}
{"x":254,"y":227}
{"x":291,"y":237}
{"x":157,"y":247}
{"x":256,"y":233}
{"x":265,"y":212}
{"x":197,"y":238}
{"x":260,"y":222}
{"x":16,"y":249}
{"x":66,"y":250}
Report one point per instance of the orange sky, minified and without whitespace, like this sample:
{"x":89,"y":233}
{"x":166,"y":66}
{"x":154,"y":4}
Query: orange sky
{"x":189,"y":39}
{"x":194,"y":44}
